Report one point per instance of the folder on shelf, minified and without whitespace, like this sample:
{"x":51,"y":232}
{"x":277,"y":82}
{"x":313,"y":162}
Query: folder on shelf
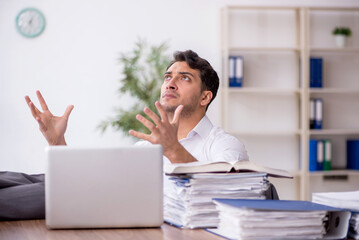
{"x":318,"y":121}
{"x":313,"y":149}
{"x":320,"y":155}
{"x":235,"y":71}
{"x":316,"y":72}
{"x":327,"y":157}
{"x":231,"y":69}
{"x":273,"y":219}
{"x":311,"y":113}
{"x":353,"y":154}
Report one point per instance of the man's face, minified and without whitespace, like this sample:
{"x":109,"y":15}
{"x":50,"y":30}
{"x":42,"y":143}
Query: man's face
{"x":181,"y":85}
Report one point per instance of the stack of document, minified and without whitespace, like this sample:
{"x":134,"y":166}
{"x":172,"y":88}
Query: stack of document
{"x":278,"y":219}
{"x":346,"y":200}
{"x":354,"y":226}
{"x":188,"y":197}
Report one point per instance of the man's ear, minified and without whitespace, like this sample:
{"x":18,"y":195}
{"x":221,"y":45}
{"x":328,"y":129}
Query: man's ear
{"x":206,"y":98}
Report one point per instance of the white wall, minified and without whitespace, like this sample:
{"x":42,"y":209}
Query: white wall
{"x":74,"y":62}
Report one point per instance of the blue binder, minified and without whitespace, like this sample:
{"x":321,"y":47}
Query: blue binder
{"x":353,"y":154}
{"x":313,"y":155}
{"x":235,"y":71}
{"x":338,"y":221}
{"x":316,"y":72}
{"x":318,"y":118}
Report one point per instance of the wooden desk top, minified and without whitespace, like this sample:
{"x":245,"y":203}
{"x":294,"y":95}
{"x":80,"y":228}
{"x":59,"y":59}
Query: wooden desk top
{"x":36,"y":230}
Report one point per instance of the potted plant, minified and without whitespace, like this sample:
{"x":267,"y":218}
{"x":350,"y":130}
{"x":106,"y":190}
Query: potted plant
{"x":341,"y":34}
{"x":142,"y":77}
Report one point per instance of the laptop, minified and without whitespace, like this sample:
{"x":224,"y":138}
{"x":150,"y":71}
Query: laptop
{"x":118,"y":187}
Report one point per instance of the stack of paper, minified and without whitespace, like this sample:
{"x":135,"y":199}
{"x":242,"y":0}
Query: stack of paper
{"x":346,"y":200}
{"x":188,"y":198}
{"x":354,"y":226}
{"x":277,"y":219}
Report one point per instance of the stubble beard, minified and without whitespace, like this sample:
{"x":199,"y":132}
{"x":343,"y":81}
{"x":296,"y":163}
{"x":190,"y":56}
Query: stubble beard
{"x":188,"y":108}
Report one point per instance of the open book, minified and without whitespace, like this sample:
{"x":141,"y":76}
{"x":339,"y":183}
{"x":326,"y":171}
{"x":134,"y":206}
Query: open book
{"x":209,"y":167}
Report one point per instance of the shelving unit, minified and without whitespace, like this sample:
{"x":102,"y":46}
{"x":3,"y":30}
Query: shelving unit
{"x":269,"y":113}
{"x":340,"y":94}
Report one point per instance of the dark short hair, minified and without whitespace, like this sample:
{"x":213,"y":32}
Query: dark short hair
{"x":209,"y":77}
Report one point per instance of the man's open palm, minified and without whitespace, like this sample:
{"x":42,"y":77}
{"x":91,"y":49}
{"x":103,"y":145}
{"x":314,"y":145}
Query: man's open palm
{"x":52,"y":127}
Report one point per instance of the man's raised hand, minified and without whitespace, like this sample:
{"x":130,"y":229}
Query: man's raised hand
{"x":52,"y":127}
{"x":163,"y":131}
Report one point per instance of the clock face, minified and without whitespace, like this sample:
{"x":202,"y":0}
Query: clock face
{"x":30,"y":22}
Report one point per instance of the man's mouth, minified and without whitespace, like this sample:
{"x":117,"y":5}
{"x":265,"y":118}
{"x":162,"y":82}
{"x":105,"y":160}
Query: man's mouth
{"x":169,"y":95}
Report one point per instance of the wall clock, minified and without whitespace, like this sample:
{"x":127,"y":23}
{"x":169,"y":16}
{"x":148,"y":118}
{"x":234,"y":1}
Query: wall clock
{"x":30,"y":22}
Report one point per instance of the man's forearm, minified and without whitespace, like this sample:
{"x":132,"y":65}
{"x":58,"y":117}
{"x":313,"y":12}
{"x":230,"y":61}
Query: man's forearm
{"x":178,"y":154}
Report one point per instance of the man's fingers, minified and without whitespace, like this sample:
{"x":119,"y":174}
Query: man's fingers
{"x":27,"y":99}
{"x":34,"y":111}
{"x":177,"y":114}
{"x":42,"y":101}
{"x":162,"y":111}
{"x":156,"y":119}
{"x":41,"y":124}
{"x":148,"y":124}
{"x":140,"y":135}
{"x":68,"y":111}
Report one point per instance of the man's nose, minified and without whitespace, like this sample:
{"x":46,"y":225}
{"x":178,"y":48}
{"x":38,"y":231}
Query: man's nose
{"x":171,"y":84}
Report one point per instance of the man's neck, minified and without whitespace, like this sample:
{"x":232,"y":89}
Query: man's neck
{"x":186,"y":124}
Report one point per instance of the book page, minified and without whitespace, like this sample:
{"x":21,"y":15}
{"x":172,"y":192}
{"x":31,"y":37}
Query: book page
{"x":251,"y":166}
{"x":197,"y":167}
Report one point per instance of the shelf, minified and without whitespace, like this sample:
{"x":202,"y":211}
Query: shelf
{"x":267,"y":133}
{"x":333,"y":90}
{"x":234,"y":7}
{"x":262,"y":90}
{"x":333,"y":9}
{"x":335,"y":132}
{"x":335,"y":50}
{"x":270,"y":112}
{"x":335,"y":172}
{"x":264,"y":49}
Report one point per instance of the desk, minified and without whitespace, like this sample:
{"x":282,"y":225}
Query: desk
{"x":36,"y":230}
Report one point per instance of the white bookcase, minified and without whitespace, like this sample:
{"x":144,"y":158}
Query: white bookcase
{"x":270,"y":112}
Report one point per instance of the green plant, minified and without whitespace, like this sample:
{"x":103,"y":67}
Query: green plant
{"x":143,"y":70}
{"x":342,"y":31}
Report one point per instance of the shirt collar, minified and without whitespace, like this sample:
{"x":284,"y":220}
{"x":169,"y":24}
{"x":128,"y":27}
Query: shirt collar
{"x":203,"y":128}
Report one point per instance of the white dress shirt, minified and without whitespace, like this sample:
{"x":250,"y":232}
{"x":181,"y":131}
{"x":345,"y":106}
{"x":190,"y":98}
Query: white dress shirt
{"x":210,"y":143}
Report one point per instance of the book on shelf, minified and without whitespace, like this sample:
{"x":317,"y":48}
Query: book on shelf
{"x":320,"y":154}
{"x":353,"y":154}
{"x":235,"y":71}
{"x":279,"y":219}
{"x":344,"y":200}
{"x":224,"y":166}
{"x":316,"y":72}
{"x":188,"y":197}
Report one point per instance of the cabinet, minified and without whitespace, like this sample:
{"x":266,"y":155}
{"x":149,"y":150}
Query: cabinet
{"x":270,"y":112}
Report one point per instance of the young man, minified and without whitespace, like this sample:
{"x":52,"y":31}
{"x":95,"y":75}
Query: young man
{"x":182,"y":128}
{"x":186,"y":134}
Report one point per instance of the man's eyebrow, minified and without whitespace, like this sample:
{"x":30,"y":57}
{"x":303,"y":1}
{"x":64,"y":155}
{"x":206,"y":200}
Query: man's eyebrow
{"x":186,"y":73}
{"x":180,"y":73}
